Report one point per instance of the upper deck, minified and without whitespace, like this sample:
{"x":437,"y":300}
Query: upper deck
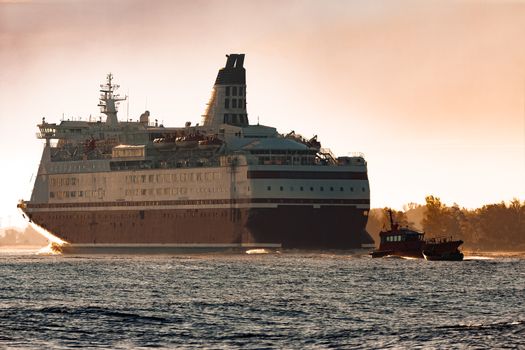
{"x":143,"y":144}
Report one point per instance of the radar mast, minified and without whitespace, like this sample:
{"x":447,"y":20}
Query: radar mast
{"x":109,"y":100}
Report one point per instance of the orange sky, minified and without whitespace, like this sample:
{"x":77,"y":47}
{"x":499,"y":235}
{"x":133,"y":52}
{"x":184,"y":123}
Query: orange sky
{"x":433,"y":92}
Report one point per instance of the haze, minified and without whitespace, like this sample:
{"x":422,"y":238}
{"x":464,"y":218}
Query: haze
{"x":432,"y":92}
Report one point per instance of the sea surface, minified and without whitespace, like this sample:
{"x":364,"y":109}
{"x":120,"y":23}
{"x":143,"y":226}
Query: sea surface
{"x":286,"y":300}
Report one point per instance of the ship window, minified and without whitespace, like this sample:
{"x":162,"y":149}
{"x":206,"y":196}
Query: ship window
{"x":281,"y":188}
{"x":269,"y":188}
{"x":227,"y":103}
{"x":301,"y":188}
{"x":234,"y":103}
{"x":234,"y":91}
{"x":341,"y":189}
{"x":331,"y":189}
{"x":321,"y":188}
{"x":351,"y":189}
{"x":311,"y":188}
{"x":363,"y":189}
{"x":227,"y":91}
{"x":291,"y":188}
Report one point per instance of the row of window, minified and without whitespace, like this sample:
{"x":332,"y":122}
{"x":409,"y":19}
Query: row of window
{"x":321,"y":188}
{"x":235,"y":103}
{"x":76,"y":167}
{"x":241,"y":90}
{"x":232,"y":118}
{"x":80,"y":194}
{"x":178,"y":177}
{"x":75,"y":181}
{"x":394,"y":238}
{"x":171,"y":191}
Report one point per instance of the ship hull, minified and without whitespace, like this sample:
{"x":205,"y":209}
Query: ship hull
{"x":208,"y":229}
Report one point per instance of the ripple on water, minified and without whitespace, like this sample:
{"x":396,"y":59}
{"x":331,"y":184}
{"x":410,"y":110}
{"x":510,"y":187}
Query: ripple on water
{"x":286,"y":300}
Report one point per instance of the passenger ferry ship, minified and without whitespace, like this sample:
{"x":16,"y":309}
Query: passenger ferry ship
{"x":136,"y":185}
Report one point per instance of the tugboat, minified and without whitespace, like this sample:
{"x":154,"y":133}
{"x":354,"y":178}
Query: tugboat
{"x":404,"y":242}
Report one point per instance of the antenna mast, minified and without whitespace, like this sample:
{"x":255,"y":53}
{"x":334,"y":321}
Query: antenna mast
{"x":109,"y":100}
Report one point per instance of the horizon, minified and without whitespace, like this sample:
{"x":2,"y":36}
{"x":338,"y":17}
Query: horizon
{"x":432,"y":93}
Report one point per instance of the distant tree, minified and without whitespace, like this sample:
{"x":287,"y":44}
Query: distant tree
{"x":399,"y":218}
{"x":434,"y":220}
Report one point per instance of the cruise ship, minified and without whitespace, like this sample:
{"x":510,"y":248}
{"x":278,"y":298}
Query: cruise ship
{"x":224,"y":184}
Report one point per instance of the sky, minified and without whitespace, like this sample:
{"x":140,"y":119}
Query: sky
{"x":432,"y":92}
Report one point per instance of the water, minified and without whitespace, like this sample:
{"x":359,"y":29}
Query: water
{"x":289,"y":300}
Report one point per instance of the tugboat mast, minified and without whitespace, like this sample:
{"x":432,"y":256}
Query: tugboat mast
{"x":109,"y":100}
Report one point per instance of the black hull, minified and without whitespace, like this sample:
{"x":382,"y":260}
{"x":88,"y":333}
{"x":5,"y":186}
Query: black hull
{"x":289,"y":227}
{"x":303,"y":227}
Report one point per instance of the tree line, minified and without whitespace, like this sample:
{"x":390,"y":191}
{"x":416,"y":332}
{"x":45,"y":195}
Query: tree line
{"x":492,"y":227}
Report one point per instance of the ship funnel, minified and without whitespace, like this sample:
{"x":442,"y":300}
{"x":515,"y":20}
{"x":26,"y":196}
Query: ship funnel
{"x":228,"y":100}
